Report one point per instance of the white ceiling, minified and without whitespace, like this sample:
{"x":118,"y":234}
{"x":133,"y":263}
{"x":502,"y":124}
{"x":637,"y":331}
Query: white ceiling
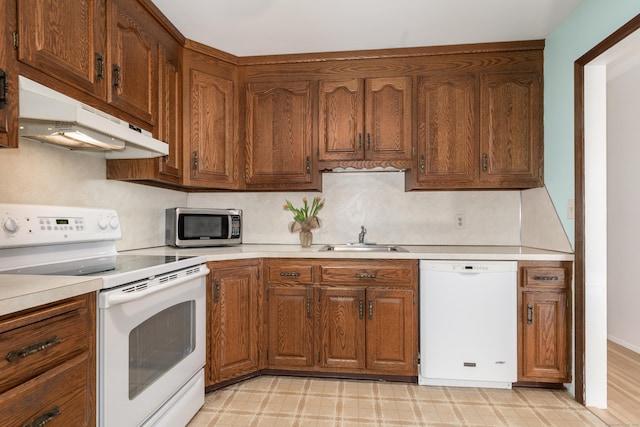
{"x":265,"y":27}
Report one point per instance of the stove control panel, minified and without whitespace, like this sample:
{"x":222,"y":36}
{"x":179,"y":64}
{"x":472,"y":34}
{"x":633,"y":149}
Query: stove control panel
{"x":36,"y":225}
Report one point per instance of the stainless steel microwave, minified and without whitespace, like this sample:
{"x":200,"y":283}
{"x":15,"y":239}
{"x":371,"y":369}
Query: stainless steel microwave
{"x":194,"y":227}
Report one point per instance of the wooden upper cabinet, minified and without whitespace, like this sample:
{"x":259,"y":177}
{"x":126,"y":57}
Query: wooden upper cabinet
{"x":66,"y":40}
{"x":365,"y":119}
{"x":511,"y":129}
{"x":132,"y":71}
{"x":447,"y":123}
{"x":169,"y":122}
{"x":341,"y":119}
{"x":210,"y":103}
{"x":8,"y":78}
{"x":279,"y":142}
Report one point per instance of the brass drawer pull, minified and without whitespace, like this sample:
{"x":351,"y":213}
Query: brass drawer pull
{"x":44,"y":418}
{"x":33,"y":348}
{"x":366,"y":275}
{"x":548,"y":278}
{"x":290,"y":273}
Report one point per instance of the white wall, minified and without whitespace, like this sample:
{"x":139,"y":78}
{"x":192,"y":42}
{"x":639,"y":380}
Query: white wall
{"x":378,"y":201}
{"x":623,"y":152}
{"x":43,"y":174}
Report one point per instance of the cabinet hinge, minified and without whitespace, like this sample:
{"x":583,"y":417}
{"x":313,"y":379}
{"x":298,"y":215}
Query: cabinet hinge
{"x":16,"y":40}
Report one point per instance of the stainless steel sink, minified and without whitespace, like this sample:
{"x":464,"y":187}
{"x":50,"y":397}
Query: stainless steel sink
{"x":363,"y":247}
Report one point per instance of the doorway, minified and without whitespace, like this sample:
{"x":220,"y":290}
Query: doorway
{"x":590,"y":79}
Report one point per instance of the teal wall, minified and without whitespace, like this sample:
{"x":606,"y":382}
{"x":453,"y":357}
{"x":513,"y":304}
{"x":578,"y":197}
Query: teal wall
{"x":591,"y":23}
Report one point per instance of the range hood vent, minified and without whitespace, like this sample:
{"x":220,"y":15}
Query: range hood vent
{"x":51,"y":117}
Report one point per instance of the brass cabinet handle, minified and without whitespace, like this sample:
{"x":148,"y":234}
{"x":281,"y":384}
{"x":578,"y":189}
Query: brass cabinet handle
{"x":216,"y":290}
{"x":422,"y":164}
{"x":309,"y":307}
{"x":308,"y":164}
{"x":529,"y":314}
{"x":485,"y":162}
{"x":44,"y":418}
{"x":366,"y":275}
{"x":368,"y":142}
{"x":99,"y":66}
{"x":33,"y":348}
{"x":361,"y":309}
{"x":549,"y":278}
{"x":359,"y":141}
{"x":4,"y":89}
{"x":370,"y":309}
{"x":116,"y":73}
{"x":290,"y":273}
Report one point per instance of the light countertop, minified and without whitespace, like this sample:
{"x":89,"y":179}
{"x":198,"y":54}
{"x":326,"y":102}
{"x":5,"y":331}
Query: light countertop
{"x":476,"y":253}
{"x":18,"y":292}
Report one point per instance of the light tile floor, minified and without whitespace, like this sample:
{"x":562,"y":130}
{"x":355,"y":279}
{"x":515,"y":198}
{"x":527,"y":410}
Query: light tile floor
{"x":290,"y":401}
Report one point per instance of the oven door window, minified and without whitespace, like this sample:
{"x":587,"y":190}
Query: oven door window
{"x":160,"y":343}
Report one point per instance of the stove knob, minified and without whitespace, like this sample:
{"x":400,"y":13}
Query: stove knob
{"x":11,"y":225}
{"x":103,"y":223}
{"x":114,"y":223}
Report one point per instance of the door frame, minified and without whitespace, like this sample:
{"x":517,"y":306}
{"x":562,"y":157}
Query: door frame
{"x":579,"y":158}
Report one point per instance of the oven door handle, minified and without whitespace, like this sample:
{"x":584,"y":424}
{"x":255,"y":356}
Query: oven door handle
{"x":110,"y":299}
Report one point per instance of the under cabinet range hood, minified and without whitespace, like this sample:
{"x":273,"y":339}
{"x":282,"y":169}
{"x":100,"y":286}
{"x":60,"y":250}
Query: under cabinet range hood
{"x":49,"y":116}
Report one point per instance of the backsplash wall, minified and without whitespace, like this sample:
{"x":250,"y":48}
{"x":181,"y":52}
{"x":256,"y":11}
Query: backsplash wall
{"x":42,"y":174}
{"x":378,"y":201}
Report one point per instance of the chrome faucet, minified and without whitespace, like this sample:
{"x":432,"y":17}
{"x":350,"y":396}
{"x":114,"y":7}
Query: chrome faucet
{"x":363,"y":231}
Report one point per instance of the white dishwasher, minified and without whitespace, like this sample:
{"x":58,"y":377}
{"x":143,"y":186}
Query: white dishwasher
{"x":468,"y":323}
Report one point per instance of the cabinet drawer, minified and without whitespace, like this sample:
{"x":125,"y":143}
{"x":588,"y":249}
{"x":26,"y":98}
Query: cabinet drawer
{"x":32,"y":344}
{"x":395,"y":273}
{"x":59,"y":397}
{"x":544,"y":277}
{"x":290,"y":272}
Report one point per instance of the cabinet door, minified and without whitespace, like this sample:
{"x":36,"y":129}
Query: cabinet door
{"x":447,"y":131}
{"x":169,"y":123}
{"x":233,"y":306}
{"x":132,"y":72}
{"x":209,"y":117}
{"x":545,"y":351}
{"x":511,"y":129}
{"x":8,"y":77}
{"x":390,"y":335}
{"x":388,"y":118}
{"x":340,"y":119}
{"x":290,"y":340}
{"x":342,"y":328}
{"x":279,"y":140}
{"x":65,"y":39}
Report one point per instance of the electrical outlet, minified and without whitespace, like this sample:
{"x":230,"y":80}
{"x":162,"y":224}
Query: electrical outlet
{"x":460,"y":221}
{"x":571,"y":209}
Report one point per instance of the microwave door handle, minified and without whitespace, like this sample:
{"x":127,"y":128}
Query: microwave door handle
{"x":110,"y":299}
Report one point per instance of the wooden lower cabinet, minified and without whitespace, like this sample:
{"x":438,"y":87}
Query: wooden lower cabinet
{"x":48,"y":374}
{"x":233,"y":318}
{"x":290,"y":327}
{"x":347,"y":317}
{"x":544,"y":322}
